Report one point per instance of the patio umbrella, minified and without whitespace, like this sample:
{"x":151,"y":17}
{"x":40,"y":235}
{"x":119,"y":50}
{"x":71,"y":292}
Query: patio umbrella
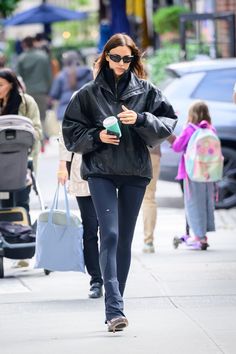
{"x":45,"y":14}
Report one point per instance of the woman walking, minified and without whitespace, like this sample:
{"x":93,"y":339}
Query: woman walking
{"x":118,"y":169}
{"x":69,"y":168}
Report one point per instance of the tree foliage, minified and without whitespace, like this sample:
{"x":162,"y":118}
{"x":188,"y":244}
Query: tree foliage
{"x":169,"y":53}
{"x":166,"y":19}
{"x":7,"y":7}
{"x":76,"y":3}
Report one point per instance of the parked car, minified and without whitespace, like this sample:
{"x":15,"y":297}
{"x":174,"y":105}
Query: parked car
{"x":213,"y":82}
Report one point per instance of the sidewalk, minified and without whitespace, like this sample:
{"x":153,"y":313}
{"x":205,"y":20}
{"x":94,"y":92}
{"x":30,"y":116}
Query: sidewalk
{"x":177,"y":301}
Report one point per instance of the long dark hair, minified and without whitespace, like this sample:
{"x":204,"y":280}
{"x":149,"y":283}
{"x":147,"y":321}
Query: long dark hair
{"x":14,"y":100}
{"x":121,"y":40}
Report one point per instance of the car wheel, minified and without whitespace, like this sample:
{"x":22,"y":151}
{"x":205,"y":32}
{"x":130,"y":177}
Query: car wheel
{"x":227,"y":187}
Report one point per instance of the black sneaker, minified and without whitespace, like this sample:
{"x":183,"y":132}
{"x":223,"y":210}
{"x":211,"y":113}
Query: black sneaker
{"x":95,"y":291}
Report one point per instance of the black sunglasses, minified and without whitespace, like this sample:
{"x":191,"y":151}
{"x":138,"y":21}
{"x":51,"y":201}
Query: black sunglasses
{"x":117,"y":58}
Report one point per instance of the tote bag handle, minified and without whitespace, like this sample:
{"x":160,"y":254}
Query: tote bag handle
{"x":55,"y":204}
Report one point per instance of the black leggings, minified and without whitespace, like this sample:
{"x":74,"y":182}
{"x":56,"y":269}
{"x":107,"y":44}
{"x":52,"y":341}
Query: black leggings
{"x":90,"y":238}
{"x":117,"y":206}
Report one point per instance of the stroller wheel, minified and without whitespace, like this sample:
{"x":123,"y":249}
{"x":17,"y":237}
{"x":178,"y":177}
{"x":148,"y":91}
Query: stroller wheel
{"x":176,"y":242}
{"x":1,"y":268}
{"x":47,"y":272}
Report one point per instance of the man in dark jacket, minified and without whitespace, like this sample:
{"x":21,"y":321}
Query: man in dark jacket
{"x":34,"y":67}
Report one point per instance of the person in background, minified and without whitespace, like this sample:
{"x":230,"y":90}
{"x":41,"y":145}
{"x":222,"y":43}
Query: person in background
{"x":69,"y":167}
{"x":13,"y":100}
{"x":42,"y":42}
{"x":150,"y":204}
{"x":34,"y":67}
{"x":71,"y":78}
{"x":118,"y":169}
{"x":199,"y":197}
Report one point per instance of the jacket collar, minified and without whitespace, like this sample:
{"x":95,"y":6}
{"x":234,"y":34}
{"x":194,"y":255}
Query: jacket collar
{"x":128,"y":84}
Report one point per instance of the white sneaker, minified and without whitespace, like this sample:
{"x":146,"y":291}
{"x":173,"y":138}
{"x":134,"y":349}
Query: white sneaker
{"x":148,"y":248}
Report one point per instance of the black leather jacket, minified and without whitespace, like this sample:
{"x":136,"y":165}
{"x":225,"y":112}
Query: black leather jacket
{"x":102,"y":98}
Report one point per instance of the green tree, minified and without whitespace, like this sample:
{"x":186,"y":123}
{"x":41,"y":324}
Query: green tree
{"x":7,"y":7}
{"x":83,"y":2}
{"x":166,"y":19}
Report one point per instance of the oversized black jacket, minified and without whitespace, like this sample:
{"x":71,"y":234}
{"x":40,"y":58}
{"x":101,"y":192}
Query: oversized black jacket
{"x":99,"y":99}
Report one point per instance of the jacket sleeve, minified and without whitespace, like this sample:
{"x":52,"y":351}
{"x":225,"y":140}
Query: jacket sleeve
{"x":55,"y":91}
{"x":64,"y":154}
{"x":158,"y":121}
{"x":181,"y":141}
{"x":78,"y":132}
{"x":29,"y":108}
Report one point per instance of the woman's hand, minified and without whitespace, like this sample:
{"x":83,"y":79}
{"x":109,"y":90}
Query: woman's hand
{"x":171,"y":138}
{"x":108,"y":138}
{"x":127,"y":116}
{"x":62,"y":173}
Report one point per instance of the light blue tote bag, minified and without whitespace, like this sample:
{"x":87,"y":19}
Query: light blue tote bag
{"x":59,"y":239}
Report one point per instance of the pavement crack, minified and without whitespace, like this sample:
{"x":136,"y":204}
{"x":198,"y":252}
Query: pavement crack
{"x":202,"y":329}
{"x":24,"y":284}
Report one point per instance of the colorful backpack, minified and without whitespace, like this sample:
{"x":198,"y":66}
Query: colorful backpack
{"x":203,"y":157}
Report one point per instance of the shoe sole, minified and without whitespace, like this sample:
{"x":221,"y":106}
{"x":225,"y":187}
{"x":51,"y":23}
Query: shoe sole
{"x":117,"y":325}
{"x":95,"y":296}
{"x":201,"y":247}
{"x":149,"y":250}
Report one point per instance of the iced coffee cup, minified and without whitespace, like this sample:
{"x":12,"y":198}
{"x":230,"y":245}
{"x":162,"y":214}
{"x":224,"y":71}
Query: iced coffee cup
{"x":112,"y":126}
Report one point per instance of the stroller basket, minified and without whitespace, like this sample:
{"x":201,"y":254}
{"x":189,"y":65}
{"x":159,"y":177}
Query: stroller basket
{"x":17,"y":137}
{"x":17,"y":250}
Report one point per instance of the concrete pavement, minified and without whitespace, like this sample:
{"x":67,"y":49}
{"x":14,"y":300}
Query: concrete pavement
{"x":177,"y":301}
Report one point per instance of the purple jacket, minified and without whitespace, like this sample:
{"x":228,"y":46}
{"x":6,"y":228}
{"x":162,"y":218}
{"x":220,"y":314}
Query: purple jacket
{"x":181,"y":143}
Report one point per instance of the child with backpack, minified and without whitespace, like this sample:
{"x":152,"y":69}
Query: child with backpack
{"x":201,"y":165}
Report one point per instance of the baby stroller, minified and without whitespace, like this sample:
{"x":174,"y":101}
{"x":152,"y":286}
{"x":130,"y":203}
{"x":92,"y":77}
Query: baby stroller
{"x":17,"y":238}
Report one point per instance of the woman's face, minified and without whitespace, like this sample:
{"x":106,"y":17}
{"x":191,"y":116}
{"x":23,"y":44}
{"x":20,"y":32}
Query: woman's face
{"x":5,"y":88}
{"x":119,"y":67}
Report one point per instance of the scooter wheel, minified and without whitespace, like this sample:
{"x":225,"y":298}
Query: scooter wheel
{"x":204,"y":246}
{"x":47,"y":272}
{"x":176,"y":242}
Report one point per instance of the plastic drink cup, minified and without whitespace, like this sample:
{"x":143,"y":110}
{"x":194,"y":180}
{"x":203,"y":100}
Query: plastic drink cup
{"x":112,"y":126}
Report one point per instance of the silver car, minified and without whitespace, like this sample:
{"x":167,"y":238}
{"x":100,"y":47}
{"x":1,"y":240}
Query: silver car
{"x":213,"y":82}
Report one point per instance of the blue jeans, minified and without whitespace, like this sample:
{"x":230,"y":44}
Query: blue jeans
{"x":117,"y":202}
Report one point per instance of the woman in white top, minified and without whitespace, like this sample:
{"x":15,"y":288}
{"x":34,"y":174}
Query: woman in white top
{"x":69,"y":168}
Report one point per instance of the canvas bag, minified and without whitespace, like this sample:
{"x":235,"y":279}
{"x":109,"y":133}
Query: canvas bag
{"x":59,"y":239}
{"x":203,"y":157}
